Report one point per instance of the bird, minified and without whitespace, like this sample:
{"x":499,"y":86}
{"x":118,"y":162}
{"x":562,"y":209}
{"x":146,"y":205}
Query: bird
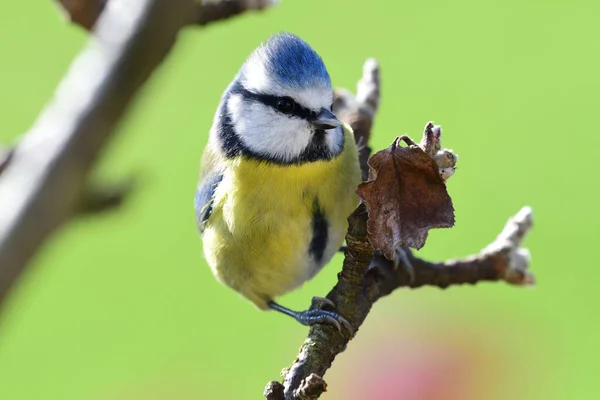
{"x":278,"y":179}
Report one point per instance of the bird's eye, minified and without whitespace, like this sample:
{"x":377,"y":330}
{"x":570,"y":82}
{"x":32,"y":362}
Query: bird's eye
{"x":285,"y":105}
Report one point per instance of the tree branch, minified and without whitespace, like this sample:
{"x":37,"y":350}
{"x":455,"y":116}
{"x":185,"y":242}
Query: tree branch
{"x":503,"y":260}
{"x":367,"y":276}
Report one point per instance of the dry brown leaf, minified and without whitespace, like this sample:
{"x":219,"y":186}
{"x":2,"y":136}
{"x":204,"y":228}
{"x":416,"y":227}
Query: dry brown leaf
{"x":82,"y":12}
{"x":405,"y":196}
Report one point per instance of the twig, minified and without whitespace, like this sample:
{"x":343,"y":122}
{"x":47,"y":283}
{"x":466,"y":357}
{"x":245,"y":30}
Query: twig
{"x":366,"y":277}
{"x":101,"y":198}
{"x":359,"y":111}
{"x":503,"y":260}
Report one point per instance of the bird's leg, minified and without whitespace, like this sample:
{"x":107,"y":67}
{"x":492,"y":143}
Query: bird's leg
{"x":315,"y":314}
{"x":402,"y":257}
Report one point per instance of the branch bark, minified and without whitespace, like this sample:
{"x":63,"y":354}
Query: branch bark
{"x":366,"y":276}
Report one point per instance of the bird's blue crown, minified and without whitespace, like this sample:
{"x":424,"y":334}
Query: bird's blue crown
{"x":291,"y":61}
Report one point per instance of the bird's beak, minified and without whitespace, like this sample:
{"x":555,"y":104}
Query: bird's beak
{"x":325,"y":119}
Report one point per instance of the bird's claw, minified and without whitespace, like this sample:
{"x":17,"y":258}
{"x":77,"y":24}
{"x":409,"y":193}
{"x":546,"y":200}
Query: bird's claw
{"x":319,"y":302}
{"x":402,"y":258}
{"x":316,"y":314}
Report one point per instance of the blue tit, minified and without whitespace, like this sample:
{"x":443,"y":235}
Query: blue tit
{"x":277,"y":178}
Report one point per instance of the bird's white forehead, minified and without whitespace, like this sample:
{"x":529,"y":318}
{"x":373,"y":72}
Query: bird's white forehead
{"x":256,"y":78}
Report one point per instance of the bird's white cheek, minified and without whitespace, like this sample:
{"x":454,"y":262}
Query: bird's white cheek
{"x":276,"y":135}
{"x":265,"y":131}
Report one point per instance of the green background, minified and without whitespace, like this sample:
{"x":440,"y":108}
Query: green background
{"x":123,"y":306}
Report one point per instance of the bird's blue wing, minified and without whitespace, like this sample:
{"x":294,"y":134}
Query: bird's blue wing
{"x":204,"y":197}
{"x":211,"y":174}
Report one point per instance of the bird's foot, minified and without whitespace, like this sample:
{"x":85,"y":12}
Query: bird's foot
{"x":402,"y":257}
{"x":316,"y":314}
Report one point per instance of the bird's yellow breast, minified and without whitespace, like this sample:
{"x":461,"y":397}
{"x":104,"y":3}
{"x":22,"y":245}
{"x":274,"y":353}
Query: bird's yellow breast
{"x":259,"y":236}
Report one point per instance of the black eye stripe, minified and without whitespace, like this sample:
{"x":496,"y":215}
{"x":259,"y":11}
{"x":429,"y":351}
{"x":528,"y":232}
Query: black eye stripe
{"x":271,"y":101}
